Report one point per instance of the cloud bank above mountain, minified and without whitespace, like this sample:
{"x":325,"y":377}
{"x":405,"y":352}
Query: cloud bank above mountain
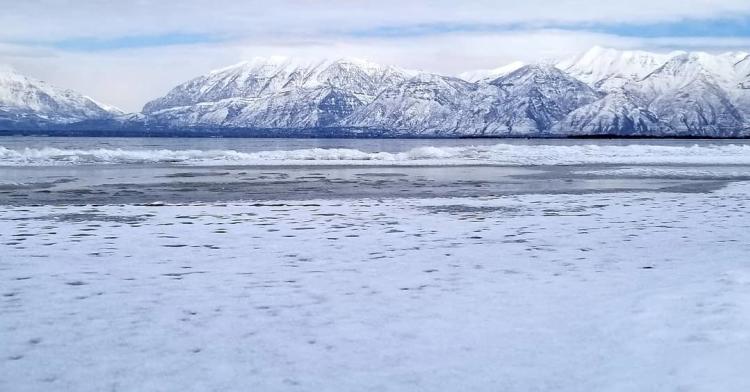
{"x":126,"y":53}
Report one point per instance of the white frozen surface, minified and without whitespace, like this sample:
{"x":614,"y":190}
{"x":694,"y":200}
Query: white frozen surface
{"x":605,"y":292}
{"x":682,"y":172}
{"x":499,"y":154}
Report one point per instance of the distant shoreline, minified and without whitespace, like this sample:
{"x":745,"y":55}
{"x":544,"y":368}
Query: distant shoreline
{"x":321,"y":134}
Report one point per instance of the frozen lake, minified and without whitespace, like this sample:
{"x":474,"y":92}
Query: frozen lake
{"x":135,"y":265}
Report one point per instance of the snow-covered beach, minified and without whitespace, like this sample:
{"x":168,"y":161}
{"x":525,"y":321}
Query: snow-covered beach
{"x":375,"y":278}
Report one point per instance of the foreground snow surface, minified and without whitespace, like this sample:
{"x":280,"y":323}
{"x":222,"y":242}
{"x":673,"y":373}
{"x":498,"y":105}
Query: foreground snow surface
{"x":602,"y":292}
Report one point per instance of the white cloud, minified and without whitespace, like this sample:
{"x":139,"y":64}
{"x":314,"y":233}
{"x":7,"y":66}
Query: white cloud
{"x":55,"y":19}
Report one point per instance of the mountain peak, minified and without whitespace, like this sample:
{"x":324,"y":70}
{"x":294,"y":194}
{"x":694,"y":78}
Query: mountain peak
{"x":263,"y":77}
{"x":9,"y":73}
{"x":25,"y":97}
{"x":252,"y":63}
{"x":598,"y":64}
{"x":490,"y":74}
{"x":280,"y":62}
{"x":533,"y":73}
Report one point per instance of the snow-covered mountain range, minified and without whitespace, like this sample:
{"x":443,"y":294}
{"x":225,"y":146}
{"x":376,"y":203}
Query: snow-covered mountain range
{"x":25,"y":100}
{"x":600,"y":92}
{"x":275,"y":93}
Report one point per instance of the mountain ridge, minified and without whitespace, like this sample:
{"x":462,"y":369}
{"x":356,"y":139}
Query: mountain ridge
{"x":600,"y":92}
{"x":27,"y":99}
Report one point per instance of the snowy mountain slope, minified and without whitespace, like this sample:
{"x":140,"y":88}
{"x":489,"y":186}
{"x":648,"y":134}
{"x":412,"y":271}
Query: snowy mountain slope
{"x":535,"y":97}
{"x":309,"y":108}
{"x":275,"y":93}
{"x":742,"y":71}
{"x":488,"y":75}
{"x":741,"y":92}
{"x":700,"y":108}
{"x":27,"y":99}
{"x":695,"y":94}
{"x":682,"y":70}
{"x":263,"y":77}
{"x":599,"y":64}
{"x":617,"y":113}
{"x":698,"y":93}
{"x":527,"y":101}
{"x":114,"y":110}
{"x":427,"y":104}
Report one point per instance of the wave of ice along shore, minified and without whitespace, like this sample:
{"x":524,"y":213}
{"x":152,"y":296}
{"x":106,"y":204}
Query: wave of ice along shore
{"x":499,"y":154}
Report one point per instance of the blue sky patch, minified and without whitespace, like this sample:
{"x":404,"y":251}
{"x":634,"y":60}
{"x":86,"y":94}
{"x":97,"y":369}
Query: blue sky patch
{"x":92,"y":44}
{"x":725,"y":28}
{"x":716,"y":28}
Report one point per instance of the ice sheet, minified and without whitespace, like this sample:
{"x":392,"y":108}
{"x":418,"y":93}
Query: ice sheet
{"x":598,"y":292}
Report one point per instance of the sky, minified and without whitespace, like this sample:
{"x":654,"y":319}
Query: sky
{"x":125,"y":53}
